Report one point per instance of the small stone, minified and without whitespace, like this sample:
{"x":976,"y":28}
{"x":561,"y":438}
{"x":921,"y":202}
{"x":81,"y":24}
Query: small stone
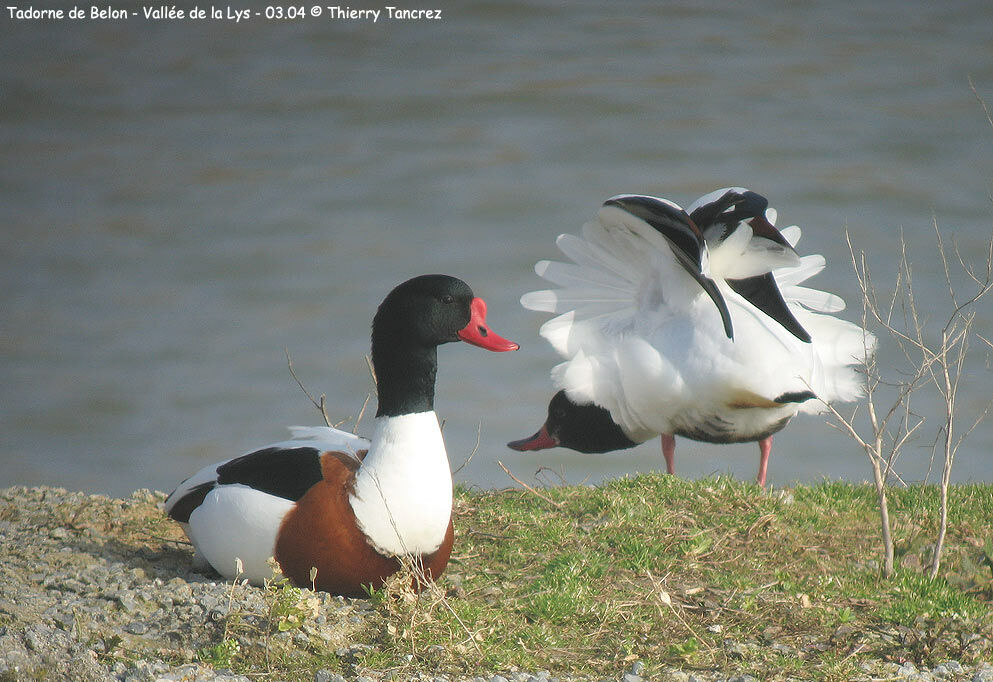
{"x":782,"y":649}
{"x":128,"y":602}
{"x":906,"y":670}
{"x":947,"y":669}
{"x":137,"y":627}
{"x":498,"y":678}
{"x":637,"y":668}
{"x":628,"y":677}
{"x":737,"y":649}
{"x":35,"y":639}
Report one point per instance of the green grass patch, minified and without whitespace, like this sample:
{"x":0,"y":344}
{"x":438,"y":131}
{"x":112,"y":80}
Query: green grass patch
{"x":714,"y":574}
{"x":707,"y":574}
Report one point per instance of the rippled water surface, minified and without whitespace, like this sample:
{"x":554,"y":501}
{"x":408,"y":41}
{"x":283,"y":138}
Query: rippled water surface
{"x":182,"y":201}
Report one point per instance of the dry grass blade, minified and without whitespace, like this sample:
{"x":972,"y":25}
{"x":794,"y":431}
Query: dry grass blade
{"x":320,"y":405}
{"x":529,"y":488}
{"x":472,"y":453}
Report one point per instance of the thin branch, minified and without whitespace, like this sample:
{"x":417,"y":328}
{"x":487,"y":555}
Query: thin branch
{"x":358,"y":419}
{"x":372,"y":370}
{"x":321,"y":406}
{"x":529,"y":488}
{"x":982,"y":102}
{"x":479,"y":431}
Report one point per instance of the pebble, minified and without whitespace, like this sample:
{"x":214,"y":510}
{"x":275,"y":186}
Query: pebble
{"x":984,"y":673}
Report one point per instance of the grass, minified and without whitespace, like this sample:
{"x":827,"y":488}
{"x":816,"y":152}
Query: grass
{"x":714,"y":574}
{"x":696,"y":574}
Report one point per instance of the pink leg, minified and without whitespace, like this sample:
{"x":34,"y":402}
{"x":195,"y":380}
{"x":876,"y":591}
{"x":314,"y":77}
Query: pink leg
{"x":765,"y":447}
{"x":669,"y":452}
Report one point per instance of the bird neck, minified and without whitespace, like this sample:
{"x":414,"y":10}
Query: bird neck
{"x":405,"y":377}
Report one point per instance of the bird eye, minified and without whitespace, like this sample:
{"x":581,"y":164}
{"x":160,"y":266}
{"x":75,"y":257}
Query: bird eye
{"x":447,"y":298}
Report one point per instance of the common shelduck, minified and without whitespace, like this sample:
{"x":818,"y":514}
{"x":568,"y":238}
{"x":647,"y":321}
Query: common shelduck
{"x":329,"y":500}
{"x":689,"y":323}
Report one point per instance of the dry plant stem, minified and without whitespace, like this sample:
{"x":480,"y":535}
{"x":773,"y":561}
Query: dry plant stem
{"x":415,"y":565}
{"x":666,"y":599}
{"x":372,"y":370}
{"x":321,"y":406}
{"x":950,"y":360}
{"x":358,"y":420}
{"x":955,"y":335}
{"x":479,"y":433}
{"x":418,"y":569}
{"x":885,"y":440}
{"x":529,"y":488}
{"x":938,"y":363}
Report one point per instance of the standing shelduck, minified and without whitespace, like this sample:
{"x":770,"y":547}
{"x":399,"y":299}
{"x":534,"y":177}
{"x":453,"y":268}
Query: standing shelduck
{"x":689,"y":323}
{"x":332,"y":501}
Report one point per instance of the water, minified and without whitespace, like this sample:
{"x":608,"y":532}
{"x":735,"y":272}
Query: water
{"x":182,"y":201}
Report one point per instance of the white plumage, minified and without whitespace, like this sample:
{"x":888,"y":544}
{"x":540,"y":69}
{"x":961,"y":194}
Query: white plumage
{"x":642,"y":338}
{"x":237,"y":521}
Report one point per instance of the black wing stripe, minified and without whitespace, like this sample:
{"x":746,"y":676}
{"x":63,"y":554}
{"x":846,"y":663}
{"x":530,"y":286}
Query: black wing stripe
{"x":671,"y":222}
{"x":763,"y":293}
{"x":185,"y":505}
{"x":283,"y":472}
{"x":795,"y":397}
{"x":684,"y":239}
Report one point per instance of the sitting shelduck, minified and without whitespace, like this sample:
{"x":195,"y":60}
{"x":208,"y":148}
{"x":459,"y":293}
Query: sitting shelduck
{"x":332,"y":501}
{"x":689,"y":323}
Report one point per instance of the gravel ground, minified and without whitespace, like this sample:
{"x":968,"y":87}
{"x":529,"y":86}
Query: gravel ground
{"x":88,"y":592}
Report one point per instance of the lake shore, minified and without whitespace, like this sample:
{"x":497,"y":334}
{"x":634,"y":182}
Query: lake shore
{"x":97,"y":588}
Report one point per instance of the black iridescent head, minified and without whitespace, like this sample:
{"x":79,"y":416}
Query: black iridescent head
{"x":425,"y":311}
{"x":584,"y":428}
{"x":722,"y":216}
{"x":411,"y":322}
{"x":729,"y":209}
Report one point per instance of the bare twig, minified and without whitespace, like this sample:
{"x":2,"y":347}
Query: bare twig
{"x":365,"y":403}
{"x":529,"y":488}
{"x":372,"y":370}
{"x":321,"y":406}
{"x":666,"y":599}
{"x":982,"y":102}
{"x":479,"y":431}
{"x":950,"y":364}
{"x":934,"y":360}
